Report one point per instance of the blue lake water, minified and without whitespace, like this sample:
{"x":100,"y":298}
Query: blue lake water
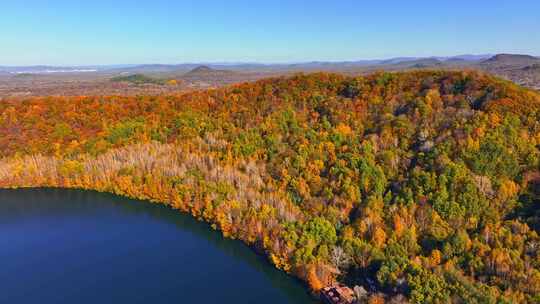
{"x":70,"y":246}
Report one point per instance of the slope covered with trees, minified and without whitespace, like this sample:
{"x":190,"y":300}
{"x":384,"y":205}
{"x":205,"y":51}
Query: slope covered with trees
{"x":420,"y":185}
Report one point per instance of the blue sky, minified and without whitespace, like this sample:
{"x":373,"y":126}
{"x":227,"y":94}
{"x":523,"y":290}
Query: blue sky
{"x":117,"y":32}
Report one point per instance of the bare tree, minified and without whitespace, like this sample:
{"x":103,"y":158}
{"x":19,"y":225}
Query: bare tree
{"x":340,"y":258}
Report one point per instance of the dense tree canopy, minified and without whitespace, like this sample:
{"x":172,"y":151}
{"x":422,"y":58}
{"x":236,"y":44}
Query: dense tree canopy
{"x":424,"y":184}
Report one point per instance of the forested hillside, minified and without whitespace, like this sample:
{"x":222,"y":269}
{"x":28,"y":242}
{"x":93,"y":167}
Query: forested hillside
{"x":420,"y":185}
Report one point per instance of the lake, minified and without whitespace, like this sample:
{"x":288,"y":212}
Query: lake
{"x":71,"y":246}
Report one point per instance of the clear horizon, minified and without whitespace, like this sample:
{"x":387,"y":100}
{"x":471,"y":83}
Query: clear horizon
{"x":63,"y":33}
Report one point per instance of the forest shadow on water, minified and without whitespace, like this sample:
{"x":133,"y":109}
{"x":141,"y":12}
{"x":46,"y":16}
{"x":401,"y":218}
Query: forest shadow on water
{"x":72,"y":246}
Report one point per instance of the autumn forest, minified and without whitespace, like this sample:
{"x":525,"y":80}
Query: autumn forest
{"x":419,"y":186}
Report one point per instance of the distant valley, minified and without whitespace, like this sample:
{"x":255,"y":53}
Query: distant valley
{"x":169,"y":78}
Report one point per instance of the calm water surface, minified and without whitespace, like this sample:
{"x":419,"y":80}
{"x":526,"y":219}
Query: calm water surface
{"x":69,"y":246}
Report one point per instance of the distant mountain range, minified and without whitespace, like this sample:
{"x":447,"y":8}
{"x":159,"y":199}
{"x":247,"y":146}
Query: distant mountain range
{"x":522,"y":69}
{"x":46,"y":69}
{"x":165,"y":68}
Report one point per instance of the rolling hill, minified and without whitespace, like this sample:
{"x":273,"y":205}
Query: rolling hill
{"x":205,"y":71}
{"x":511,"y":60}
{"x":521,"y":69}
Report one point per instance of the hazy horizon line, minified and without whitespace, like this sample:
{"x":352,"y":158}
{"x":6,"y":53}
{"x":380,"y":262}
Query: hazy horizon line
{"x":262,"y":62}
